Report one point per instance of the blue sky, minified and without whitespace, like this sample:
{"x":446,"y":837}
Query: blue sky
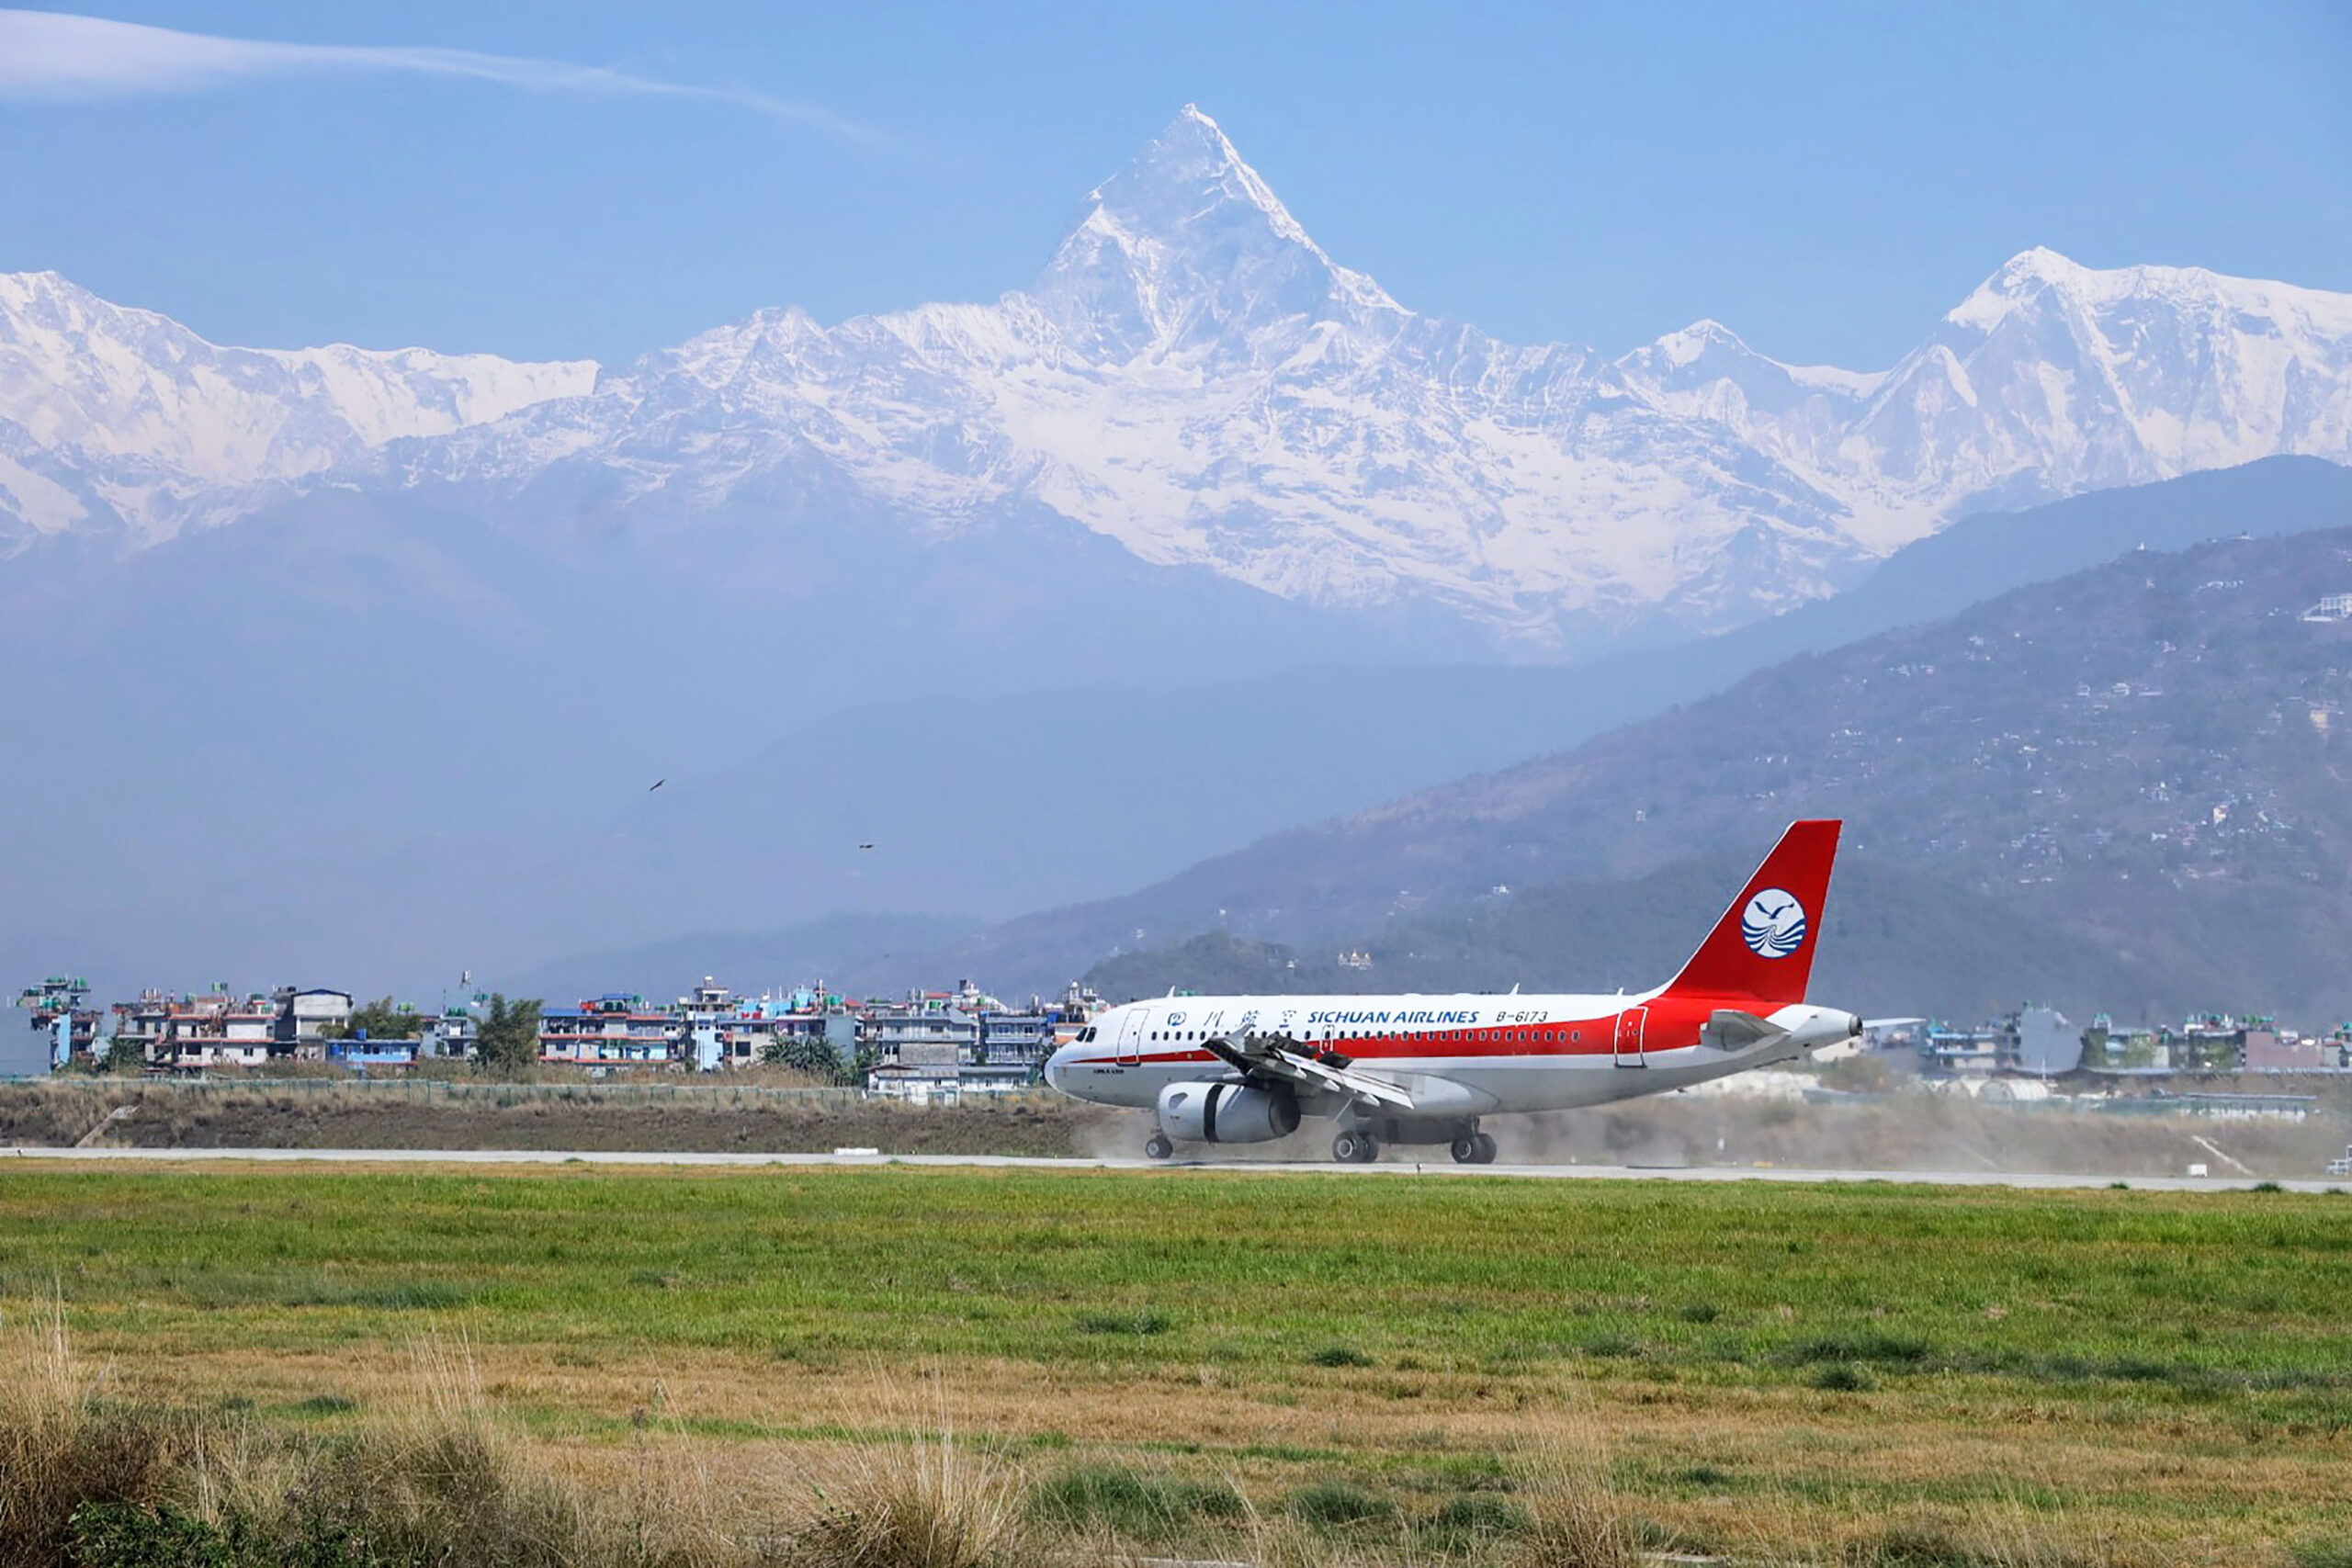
{"x":1827,"y":179}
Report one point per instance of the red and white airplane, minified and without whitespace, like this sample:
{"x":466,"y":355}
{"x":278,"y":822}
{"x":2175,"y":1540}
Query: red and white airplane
{"x":1414,"y":1070}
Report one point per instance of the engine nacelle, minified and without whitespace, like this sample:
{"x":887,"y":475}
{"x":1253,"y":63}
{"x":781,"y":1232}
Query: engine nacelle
{"x":1227,"y":1113}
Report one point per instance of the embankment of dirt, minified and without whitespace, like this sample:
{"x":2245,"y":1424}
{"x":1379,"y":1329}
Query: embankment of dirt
{"x":169,"y":1116}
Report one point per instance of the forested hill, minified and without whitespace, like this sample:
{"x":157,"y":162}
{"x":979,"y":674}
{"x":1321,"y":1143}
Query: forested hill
{"x":2147,"y":759}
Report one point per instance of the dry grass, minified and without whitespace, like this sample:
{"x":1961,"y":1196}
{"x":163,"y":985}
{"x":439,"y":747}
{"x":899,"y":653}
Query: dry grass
{"x":441,"y":1477}
{"x":59,"y":1448}
{"x":437,"y":1472}
{"x":913,"y":1502}
{"x":1578,"y":1521}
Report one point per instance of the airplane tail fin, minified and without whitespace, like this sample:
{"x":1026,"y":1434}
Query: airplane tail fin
{"x":1762,"y":948}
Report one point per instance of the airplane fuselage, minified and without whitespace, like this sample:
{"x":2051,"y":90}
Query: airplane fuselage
{"x":1456,"y":1056}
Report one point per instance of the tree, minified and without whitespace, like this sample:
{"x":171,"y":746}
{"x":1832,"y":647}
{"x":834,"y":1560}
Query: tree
{"x":509,"y":1041}
{"x":124,"y":1055}
{"x":805,"y":1053}
{"x":383,"y":1018}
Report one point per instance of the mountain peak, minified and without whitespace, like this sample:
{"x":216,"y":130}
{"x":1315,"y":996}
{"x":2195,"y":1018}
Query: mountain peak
{"x":2019,"y":279}
{"x":1183,"y":176}
{"x":2041,"y":273}
{"x":1694,"y":342}
{"x":1186,"y":243}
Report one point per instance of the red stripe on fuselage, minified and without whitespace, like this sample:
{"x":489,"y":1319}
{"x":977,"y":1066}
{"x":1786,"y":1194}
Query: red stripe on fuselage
{"x":1669,"y":1023}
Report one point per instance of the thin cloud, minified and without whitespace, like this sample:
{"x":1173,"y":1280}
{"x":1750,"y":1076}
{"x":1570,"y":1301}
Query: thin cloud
{"x":54,"y":54}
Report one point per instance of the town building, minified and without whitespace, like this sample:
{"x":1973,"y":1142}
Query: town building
{"x":59,"y":1013}
{"x":451,"y":1033}
{"x":2108,"y":1047}
{"x":1947,"y":1048}
{"x":614,"y":1029}
{"x":197,"y":1034}
{"x":308,"y":1019}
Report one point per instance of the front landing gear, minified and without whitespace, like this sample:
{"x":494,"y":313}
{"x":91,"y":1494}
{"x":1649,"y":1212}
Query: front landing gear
{"x":1157,"y":1146}
{"x":1354,"y":1146}
{"x":1474,"y":1148}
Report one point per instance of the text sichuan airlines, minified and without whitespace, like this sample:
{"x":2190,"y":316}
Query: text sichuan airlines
{"x":1430,"y":1069}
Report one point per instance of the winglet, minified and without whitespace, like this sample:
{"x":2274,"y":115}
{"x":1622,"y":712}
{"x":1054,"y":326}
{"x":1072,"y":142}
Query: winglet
{"x":1762,"y":948}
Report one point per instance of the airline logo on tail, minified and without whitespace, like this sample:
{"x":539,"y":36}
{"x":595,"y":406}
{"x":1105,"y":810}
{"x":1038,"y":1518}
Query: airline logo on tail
{"x":1762,"y":948}
{"x":1773,"y":923}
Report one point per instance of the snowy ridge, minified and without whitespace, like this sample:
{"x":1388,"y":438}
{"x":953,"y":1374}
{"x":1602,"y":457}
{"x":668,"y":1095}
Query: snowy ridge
{"x":1191,"y":375}
{"x":126,"y":411}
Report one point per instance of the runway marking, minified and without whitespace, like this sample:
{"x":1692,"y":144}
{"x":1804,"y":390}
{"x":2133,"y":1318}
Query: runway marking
{"x":2031,"y":1180}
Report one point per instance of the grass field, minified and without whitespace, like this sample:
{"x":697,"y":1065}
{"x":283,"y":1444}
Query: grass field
{"x":1775,"y":1373}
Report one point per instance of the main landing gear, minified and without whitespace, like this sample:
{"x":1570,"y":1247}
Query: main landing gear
{"x":1361,"y":1143}
{"x":1473,"y":1148}
{"x":1157,"y":1146}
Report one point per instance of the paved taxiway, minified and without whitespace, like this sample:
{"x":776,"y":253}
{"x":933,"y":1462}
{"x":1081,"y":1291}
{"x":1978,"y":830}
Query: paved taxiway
{"x":1264,"y":1167}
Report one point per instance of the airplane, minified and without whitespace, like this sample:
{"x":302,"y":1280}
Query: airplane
{"x":1416,"y":1069}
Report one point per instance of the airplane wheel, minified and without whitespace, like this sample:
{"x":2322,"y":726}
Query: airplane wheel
{"x":1466,"y":1150}
{"x":1157,"y":1146}
{"x":1354,"y":1148}
{"x":1486,"y":1149}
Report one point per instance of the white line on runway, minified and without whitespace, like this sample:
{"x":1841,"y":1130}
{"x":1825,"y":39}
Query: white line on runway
{"x":1267,"y":1167}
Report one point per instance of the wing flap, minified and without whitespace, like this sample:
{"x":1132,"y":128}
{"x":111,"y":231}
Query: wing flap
{"x":1264,"y":1057}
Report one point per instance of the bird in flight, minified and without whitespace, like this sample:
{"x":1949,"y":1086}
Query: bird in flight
{"x":865,"y":846}
{"x":657,"y":783}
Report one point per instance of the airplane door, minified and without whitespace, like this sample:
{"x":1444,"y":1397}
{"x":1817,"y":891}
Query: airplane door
{"x":1632,"y":1024}
{"x":1131,"y":1038}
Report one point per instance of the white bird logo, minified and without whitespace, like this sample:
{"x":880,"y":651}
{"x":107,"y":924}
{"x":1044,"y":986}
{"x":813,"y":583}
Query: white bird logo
{"x":1773,"y":923}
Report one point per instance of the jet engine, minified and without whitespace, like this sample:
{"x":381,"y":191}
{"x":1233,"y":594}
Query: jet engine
{"x":1227,"y":1113}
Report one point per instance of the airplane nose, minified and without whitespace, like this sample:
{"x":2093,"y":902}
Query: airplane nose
{"x":1053,"y":1065}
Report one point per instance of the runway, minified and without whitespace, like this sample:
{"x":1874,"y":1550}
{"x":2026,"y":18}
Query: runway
{"x":2045,"y":1182}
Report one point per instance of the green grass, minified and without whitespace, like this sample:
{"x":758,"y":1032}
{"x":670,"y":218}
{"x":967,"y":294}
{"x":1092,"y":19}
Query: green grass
{"x":1983,"y":1315}
{"x":1137,"y":1505}
{"x":2178,"y":1291}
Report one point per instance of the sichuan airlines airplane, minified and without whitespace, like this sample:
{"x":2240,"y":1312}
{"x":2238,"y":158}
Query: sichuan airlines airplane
{"x":1428,"y":1069}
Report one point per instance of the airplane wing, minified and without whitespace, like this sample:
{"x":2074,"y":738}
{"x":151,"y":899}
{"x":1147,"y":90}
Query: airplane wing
{"x":1275,"y":1057}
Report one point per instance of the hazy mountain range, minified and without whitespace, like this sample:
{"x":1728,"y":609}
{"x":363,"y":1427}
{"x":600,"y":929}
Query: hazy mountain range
{"x":350,"y":666}
{"x":2140,"y":768}
{"x":1191,"y":377}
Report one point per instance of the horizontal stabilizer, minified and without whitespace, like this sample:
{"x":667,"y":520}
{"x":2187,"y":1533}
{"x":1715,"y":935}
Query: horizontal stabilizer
{"x":1729,"y":1029}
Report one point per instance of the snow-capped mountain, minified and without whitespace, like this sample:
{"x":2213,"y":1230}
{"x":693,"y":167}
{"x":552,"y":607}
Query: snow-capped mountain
{"x":1191,"y":376}
{"x":112,"y":416}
